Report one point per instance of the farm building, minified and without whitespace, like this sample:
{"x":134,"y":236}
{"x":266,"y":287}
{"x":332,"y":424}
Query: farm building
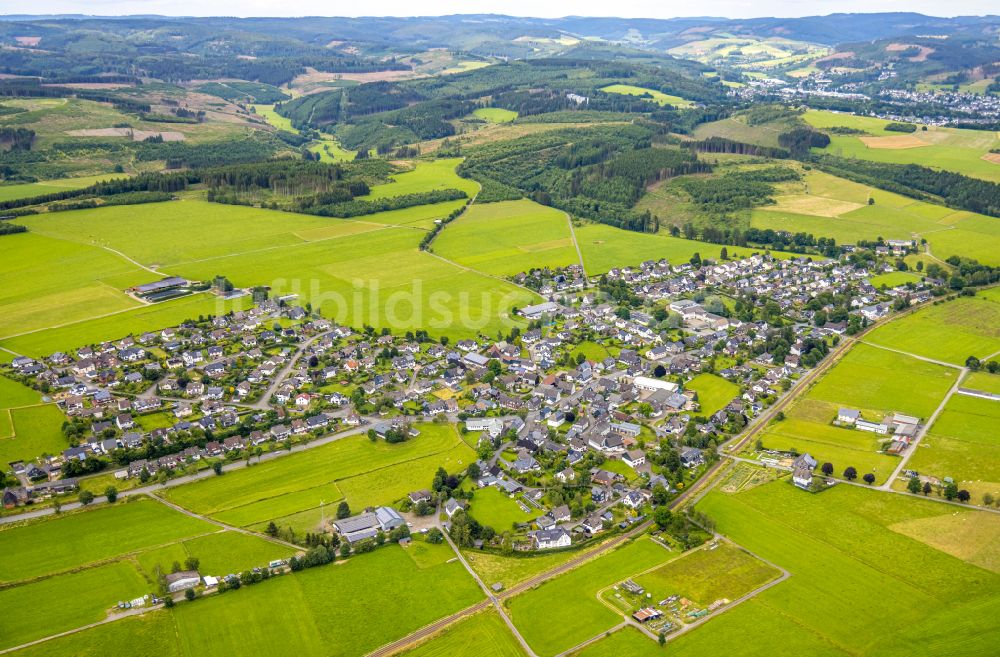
{"x":160,"y":287}
{"x":185,"y":579}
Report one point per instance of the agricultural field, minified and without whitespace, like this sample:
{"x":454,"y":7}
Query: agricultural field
{"x":90,"y":536}
{"x":709,"y":574}
{"x":328,"y":610}
{"x":714,"y":392}
{"x":69,"y":601}
{"x":652,"y":94}
{"x":951,"y":149}
{"x":963,"y":444}
{"x":148,"y":634}
{"x":857,"y":586}
{"x":26,"y":190}
{"x":495,"y":114}
{"x":30,"y":431}
{"x":151,"y":317}
{"x":828,"y":206}
{"x":54,"y":281}
{"x":748,"y":52}
{"x":318,"y":258}
{"x":369,"y":472}
{"x":866,"y":379}
{"x":565,"y":611}
{"x":493,"y":508}
{"x":218,"y":554}
{"x":626,"y":641}
{"x":982,"y":381}
{"x":605,"y":247}
{"x":508,"y":237}
{"x":951,"y":332}
{"x":484,"y":634}
{"x":509,"y":571}
{"x":895,"y":279}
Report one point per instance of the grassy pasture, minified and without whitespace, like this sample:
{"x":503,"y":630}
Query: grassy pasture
{"x":425,"y":176}
{"x":65,"y":602}
{"x":26,"y":190}
{"x":707,"y":575}
{"x":493,"y":568}
{"x":858,"y":587}
{"x":871,"y":378}
{"x":564,"y":612}
{"x":714,"y":392}
{"x":149,"y":634}
{"x":982,"y":381}
{"x":484,"y":634}
{"x":968,"y":535}
{"x":90,"y":536}
{"x":52,"y":281}
{"x":143,"y":318}
{"x":495,"y":114}
{"x":329,"y":610}
{"x":626,"y":641}
{"x":652,"y":94}
{"x":33,"y":430}
{"x":218,"y":554}
{"x":605,"y":247}
{"x":895,"y":279}
{"x":495,"y":509}
{"x":508,"y":237}
{"x":943,"y":148}
{"x":951,"y":332}
{"x":337,"y":461}
{"x":963,"y":443}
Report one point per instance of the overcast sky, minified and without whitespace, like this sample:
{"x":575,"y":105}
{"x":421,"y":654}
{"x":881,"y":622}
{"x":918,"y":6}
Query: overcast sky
{"x":545,"y":8}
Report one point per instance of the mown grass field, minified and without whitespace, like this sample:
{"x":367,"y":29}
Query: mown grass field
{"x":90,"y":536}
{"x":143,"y":318}
{"x":873,"y":378}
{"x":53,"y":281}
{"x":57,"y":604}
{"x":484,"y":634}
{"x":508,"y":237}
{"x":942,"y":148}
{"x":895,"y":279}
{"x":495,"y":114}
{"x":964,"y":443}
{"x":714,"y":392}
{"x":982,"y":381}
{"x":827,"y":206}
{"x":494,"y":509}
{"x":494,"y":568}
{"x":564,"y":612}
{"x":605,"y":247}
{"x":652,"y":94}
{"x":26,"y":190}
{"x":857,"y":586}
{"x":33,"y":430}
{"x":867,"y":379}
{"x":626,"y":641}
{"x":337,"y":265}
{"x":218,"y":554}
{"x":707,"y":575}
{"x":328,"y":610}
{"x":951,"y":332}
{"x":300,"y":481}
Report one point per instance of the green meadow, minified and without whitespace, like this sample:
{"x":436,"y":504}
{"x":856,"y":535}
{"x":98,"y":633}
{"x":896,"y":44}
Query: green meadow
{"x":330,"y":610}
{"x":493,"y":568}
{"x":426,"y":175}
{"x":605,"y":247}
{"x":299,"y":482}
{"x":828,"y":206}
{"x":27,"y":190}
{"x":564,"y":612}
{"x":963,"y":444}
{"x":508,"y":237}
{"x":90,"y":536}
{"x":495,"y":114}
{"x":626,"y":641}
{"x":982,"y":381}
{"x":32,"y":431}
{"x":951,"y":149}
{"x":495,"y":509}
{"x":867,"y":379}
{"x":326,"y":611}
{"x":714,"y":392}
{"x":218,"y":554}
{"x":950,"y":332}
{"x":68,"y":601}
{"x":57,"y":281}
{"x":857,"y":586}
{"x":652,"y":94}
{"x":484,"y":634}
{"x":143,"y":318}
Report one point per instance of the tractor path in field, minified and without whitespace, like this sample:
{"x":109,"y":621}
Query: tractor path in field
{"x":576,"y":244}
